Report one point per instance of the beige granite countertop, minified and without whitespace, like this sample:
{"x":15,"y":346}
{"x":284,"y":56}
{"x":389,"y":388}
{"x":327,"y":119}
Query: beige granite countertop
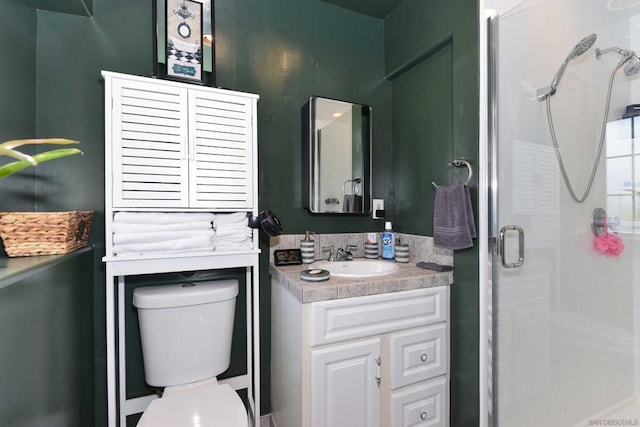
{"x":406,"y":278}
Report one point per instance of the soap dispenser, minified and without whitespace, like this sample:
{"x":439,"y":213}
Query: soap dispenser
{"x":307,"y":248}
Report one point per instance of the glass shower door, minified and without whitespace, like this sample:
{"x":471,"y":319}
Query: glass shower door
{"x":563,"y":339}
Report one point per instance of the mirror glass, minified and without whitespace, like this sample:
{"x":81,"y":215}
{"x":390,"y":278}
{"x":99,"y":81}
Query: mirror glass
{"x":336,"y":156}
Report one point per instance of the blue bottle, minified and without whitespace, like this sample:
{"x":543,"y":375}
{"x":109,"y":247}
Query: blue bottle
{"x":387,"y":241}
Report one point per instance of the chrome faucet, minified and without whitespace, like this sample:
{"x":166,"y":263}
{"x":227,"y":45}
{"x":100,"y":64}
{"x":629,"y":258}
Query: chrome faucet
{"x":346,"y":254}
{"x":332,"y":252}
{"x":341,"y":254}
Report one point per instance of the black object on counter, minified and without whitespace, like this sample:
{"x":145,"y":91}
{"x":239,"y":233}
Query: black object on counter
{"x":287,"y":257}
{"x":433,"y":266}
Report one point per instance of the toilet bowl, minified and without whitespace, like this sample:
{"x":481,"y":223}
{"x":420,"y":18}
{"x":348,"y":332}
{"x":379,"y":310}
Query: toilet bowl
{"x":186,"y":332}
{"x":205,"y":403}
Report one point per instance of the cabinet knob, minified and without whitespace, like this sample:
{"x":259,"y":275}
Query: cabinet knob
{"x":424,"y":357}
{"x":423,"y":415}
{"x":377,"y":381}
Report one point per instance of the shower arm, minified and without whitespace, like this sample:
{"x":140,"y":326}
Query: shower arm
{"x":600,"y":52}
{"x":625,"y":53}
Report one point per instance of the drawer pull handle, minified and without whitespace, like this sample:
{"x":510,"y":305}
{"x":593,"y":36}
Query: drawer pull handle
{"x":424,"y":357}
{"x":423,"y":415}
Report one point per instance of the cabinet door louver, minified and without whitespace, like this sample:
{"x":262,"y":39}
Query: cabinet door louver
{"x":150,"y":165}
{"x":220,"y":151}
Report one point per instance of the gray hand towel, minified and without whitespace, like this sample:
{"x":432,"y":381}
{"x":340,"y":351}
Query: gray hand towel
{"x":350,"y":203}
{"x":453,"y":223}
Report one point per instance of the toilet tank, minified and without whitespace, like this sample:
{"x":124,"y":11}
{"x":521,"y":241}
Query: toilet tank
{"x":185,"y":330}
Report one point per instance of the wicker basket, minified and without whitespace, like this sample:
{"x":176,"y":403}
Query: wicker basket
{"x":44,"y":233}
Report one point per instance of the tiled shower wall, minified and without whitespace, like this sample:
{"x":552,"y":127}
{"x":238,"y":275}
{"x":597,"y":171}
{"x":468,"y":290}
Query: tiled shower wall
{"x":421,"y":248}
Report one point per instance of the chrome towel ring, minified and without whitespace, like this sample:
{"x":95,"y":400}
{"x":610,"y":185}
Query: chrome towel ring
{"x":459,"y":163}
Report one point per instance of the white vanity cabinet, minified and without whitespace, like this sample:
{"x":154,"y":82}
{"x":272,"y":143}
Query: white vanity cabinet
{"x":345,"y":384}
{"x":376,"y":360}
{"x":175,"y":146}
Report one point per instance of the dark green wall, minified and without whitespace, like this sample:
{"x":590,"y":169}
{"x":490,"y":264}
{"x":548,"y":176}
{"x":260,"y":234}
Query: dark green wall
{"x":17,"y":111}
{"x":46,"y":337}
{"x":287,"y":51}
{"x":432,"y":59}
{"x":71,"y":51}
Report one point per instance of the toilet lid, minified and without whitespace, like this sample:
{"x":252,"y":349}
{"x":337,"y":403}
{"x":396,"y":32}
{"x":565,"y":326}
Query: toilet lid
{"x":203,"y":404}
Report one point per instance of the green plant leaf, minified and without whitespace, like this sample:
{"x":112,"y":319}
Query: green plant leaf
{"x":37,"y":141}
{"x":17,"y":155}
{"x":14,"y":167}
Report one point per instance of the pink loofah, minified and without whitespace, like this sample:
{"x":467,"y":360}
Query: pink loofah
{"x":608,"y":244}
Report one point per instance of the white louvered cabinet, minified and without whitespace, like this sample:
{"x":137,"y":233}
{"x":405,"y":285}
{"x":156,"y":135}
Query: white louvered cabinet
{"x":176,"y":146}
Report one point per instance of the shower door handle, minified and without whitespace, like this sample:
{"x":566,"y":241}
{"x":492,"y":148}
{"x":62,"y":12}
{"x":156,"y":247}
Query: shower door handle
{"x":501,"y":248}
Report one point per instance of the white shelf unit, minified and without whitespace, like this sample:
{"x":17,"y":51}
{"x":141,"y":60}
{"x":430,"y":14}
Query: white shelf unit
{"x":175,"y":147}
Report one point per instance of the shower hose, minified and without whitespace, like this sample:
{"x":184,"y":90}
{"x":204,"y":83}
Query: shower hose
{"x":600,"y":145}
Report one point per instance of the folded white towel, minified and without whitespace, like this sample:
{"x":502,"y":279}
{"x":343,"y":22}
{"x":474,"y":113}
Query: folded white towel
{"x":176,"y":251}
{"x":239,"y":224}
{"x":237,"y":217}
{"x":158,"y":236}
{"x":166,"y":246}
{"x":230,"y":226}
{"x":223,"y":232}
{"x":230,"y":242}
{"x":143,"y":228}
{"x":233,"y":246}
{"x":162,"y":217}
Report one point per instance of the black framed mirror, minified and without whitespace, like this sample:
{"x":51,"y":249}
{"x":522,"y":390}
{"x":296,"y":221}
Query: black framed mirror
{"x":336,"y":157}
{"x":184,"y":40}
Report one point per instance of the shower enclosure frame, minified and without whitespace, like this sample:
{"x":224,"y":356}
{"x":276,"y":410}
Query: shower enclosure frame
{"x":488,"y":227}
{"x":487,"y":201}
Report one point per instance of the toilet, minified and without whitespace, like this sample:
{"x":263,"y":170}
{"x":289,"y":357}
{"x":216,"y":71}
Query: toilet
{"x":186,"y":332}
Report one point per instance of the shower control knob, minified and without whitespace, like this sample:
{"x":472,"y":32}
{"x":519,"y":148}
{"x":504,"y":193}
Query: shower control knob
{"x":424,"y":357}
{"x":613,"y":222}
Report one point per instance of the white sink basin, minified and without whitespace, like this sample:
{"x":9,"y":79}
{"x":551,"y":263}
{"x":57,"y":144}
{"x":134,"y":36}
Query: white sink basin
{"x":357,"y":267}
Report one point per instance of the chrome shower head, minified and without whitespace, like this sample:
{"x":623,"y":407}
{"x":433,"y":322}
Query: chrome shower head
{"x":581,"y":47}
{"x":633,"y":66}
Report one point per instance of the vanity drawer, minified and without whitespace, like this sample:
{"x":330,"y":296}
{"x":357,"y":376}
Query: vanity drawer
{"x":423,"y":404}
{"x":417,"y":355}
{"x":358,"y":317}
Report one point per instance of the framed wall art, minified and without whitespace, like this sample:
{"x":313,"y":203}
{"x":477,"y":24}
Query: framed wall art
{"x":184,"y":41}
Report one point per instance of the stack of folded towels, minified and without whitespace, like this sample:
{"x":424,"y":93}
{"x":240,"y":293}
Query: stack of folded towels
{"x":232,"y":232}
{"x":141,"y":233}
